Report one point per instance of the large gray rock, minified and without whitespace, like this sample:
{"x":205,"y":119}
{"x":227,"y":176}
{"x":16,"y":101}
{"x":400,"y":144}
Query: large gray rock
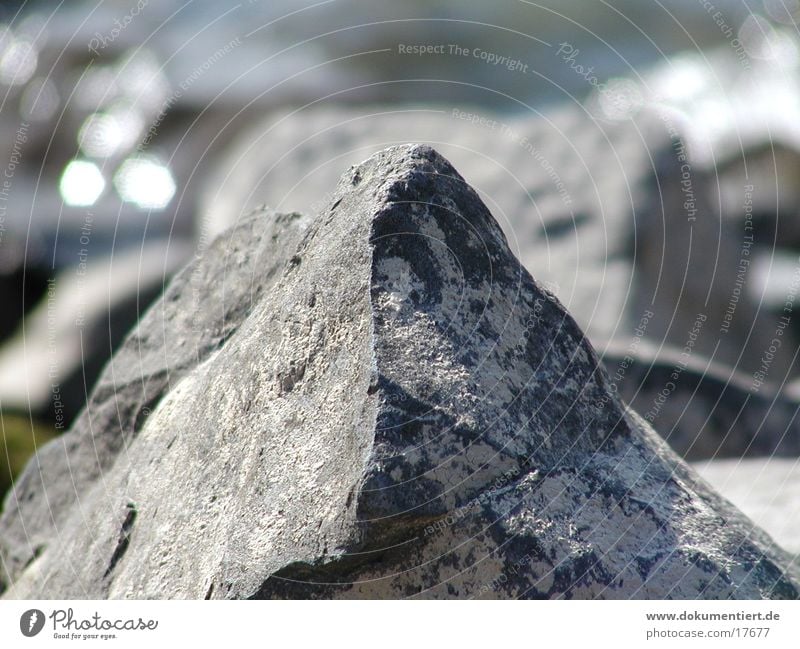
{"x":390,"y":408}
{"x":613,"y":216}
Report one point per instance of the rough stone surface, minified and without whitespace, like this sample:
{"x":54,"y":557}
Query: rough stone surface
{"x":397,"y":410}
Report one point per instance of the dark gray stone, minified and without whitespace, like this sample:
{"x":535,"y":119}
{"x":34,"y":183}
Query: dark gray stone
{"x":405,"y":413}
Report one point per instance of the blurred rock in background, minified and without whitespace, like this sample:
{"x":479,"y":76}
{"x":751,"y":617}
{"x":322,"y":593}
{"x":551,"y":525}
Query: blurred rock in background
{"x":81,"y":320}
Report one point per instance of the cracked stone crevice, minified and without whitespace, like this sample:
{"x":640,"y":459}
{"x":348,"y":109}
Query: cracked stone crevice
{"x":124,"y":538}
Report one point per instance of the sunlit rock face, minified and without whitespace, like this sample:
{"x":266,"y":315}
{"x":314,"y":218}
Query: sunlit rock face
{"x":381,"y":403}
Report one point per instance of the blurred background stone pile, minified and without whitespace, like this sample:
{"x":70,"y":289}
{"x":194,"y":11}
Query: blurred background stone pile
{"x":642,"y":159}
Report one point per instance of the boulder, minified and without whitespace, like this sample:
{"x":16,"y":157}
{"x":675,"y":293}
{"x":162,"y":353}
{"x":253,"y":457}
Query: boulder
{"x":386,"y":405}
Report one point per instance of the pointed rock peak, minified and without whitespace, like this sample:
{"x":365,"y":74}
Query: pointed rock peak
{"x":398,"y":410}
{"x":474,"y":361}
{"x":416,"y":175}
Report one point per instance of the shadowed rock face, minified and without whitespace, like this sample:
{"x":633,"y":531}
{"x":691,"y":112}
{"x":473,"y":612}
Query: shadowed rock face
{"x":394,"y":408}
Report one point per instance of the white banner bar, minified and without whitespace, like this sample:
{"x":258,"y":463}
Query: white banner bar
{"x":403,"y":624}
